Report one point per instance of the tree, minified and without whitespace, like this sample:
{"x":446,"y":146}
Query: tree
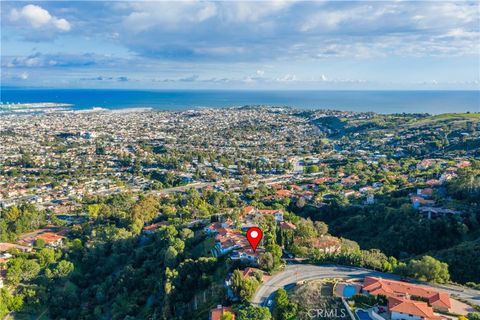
{"x":244,"y":288}
{"x":9,"y":303}
{"x":63,"y":269}
{"x":227,"y":316}
{"x":312,"y":169}
{"x":276,"y":252}
{"x":474,"y":316}
{"x":321,"y":228}
{"x":427,"y":269}
{"x":300,"y":202}
{"x":266,"y":261}
{"x":284,"y":308}
{"x":40,"y":243}
{"x":254,"y":313}
{"x":21,"y":269}
{"x":146,"y":209}
{"x":46,"y":256}
{"x":305,"y":229}
{"x":171,"y":257}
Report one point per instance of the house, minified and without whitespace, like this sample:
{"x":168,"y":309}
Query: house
{"x":365,"y":189}
{"x":245,"y":254}
{"x":307,"y":195}
{"x":5,"y":247}
{"x":52,"y":240}
{"x":321,"y":180}
{"x":432,"y":213}
{"x":227,"y":240}
{"x":248,"y":210}
{"x":250,"y":272}
{"x":283,"y":193}
{"x":436,"y":300}
{"x":214,"y":227}
{"x":419,"y":201}
{"x":425,"y":164}
{"x":326,"y":244}
{"x":427,"y":192}
{"x":433,"y":182}
{"x":401,"y":309}
{"x":276,"y":213}
{"x":150,"y":229}
{"x":219,"y":311}
{"x":285,"y":225}
{"x":348,"y":193}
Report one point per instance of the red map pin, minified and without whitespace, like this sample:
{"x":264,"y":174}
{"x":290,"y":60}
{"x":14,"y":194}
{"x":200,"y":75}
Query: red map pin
{"x":254,"y":235}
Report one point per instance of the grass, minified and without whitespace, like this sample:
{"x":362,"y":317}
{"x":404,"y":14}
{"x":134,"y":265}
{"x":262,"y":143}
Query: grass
{"x":448,"y":116}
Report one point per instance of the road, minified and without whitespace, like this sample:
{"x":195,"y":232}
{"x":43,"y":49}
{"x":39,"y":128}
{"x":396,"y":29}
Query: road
{"x":295,"y":273}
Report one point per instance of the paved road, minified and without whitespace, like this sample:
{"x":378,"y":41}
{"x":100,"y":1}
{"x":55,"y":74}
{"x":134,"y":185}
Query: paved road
{"x":295,"y":273}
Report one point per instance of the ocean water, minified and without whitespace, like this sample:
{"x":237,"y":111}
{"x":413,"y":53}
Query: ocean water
{"x":433,"y":102}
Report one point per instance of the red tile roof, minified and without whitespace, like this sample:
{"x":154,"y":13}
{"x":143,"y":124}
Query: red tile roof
{"x":287,"y":225}
{"x":216,"y":314}
{"x":398,"y":289}
{"x":49,"y":237}
{"x":268,"y":211}
{"x":416,"y":308}
{"x":248,"y":209}
{"x":283,"y":193}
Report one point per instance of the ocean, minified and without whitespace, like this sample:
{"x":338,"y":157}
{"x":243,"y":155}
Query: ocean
{"x":433,"y":102}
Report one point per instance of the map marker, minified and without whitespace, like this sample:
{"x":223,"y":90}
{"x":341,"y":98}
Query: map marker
{"x":254,"y":235}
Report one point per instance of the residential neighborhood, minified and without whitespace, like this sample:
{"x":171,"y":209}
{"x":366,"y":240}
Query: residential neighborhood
{"x":101,"y":181}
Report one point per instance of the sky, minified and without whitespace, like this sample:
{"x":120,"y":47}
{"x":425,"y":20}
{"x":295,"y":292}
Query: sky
{"x":241,"y":45}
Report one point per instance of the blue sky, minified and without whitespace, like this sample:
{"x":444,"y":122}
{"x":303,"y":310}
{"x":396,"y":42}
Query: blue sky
{"x":241,"y":45}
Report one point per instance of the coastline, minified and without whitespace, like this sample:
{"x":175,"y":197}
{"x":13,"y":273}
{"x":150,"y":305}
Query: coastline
{"x":381,"y":102}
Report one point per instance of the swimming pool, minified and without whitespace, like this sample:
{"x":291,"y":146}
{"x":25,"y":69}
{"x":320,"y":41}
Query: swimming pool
{"x":348,"y":291}
{"x":363,"y":315}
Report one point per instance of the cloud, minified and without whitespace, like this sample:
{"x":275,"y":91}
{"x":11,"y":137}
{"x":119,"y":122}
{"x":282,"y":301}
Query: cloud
{"x":191,"y":78}
{"x":38,"y":18}
{"x":42,"y":60}
{"x":261,"y":31}
{"x":266,"y":43}
{"x":287,"y":78}
{"x":24,"y":76}
{"x":105,"y":78}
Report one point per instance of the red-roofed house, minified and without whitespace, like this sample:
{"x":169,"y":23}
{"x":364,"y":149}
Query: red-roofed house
{"x":427,"y":192}
{"x":326,"y":244}
{"x":250,"y":272}
{"x":433,"y":182}
{"x":321,"y":180}
{"x":283,"y":193}
{"x":285,"y":225}
{"x":249,"y":210}
{"x":153,"y":227}
{"x":219,"y":311}
{"x":276,"y":213}
{"x":419,"y":201}
{"x":51,"y":239}
{"x":403,"y":309}
{"x":400,"y":290}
